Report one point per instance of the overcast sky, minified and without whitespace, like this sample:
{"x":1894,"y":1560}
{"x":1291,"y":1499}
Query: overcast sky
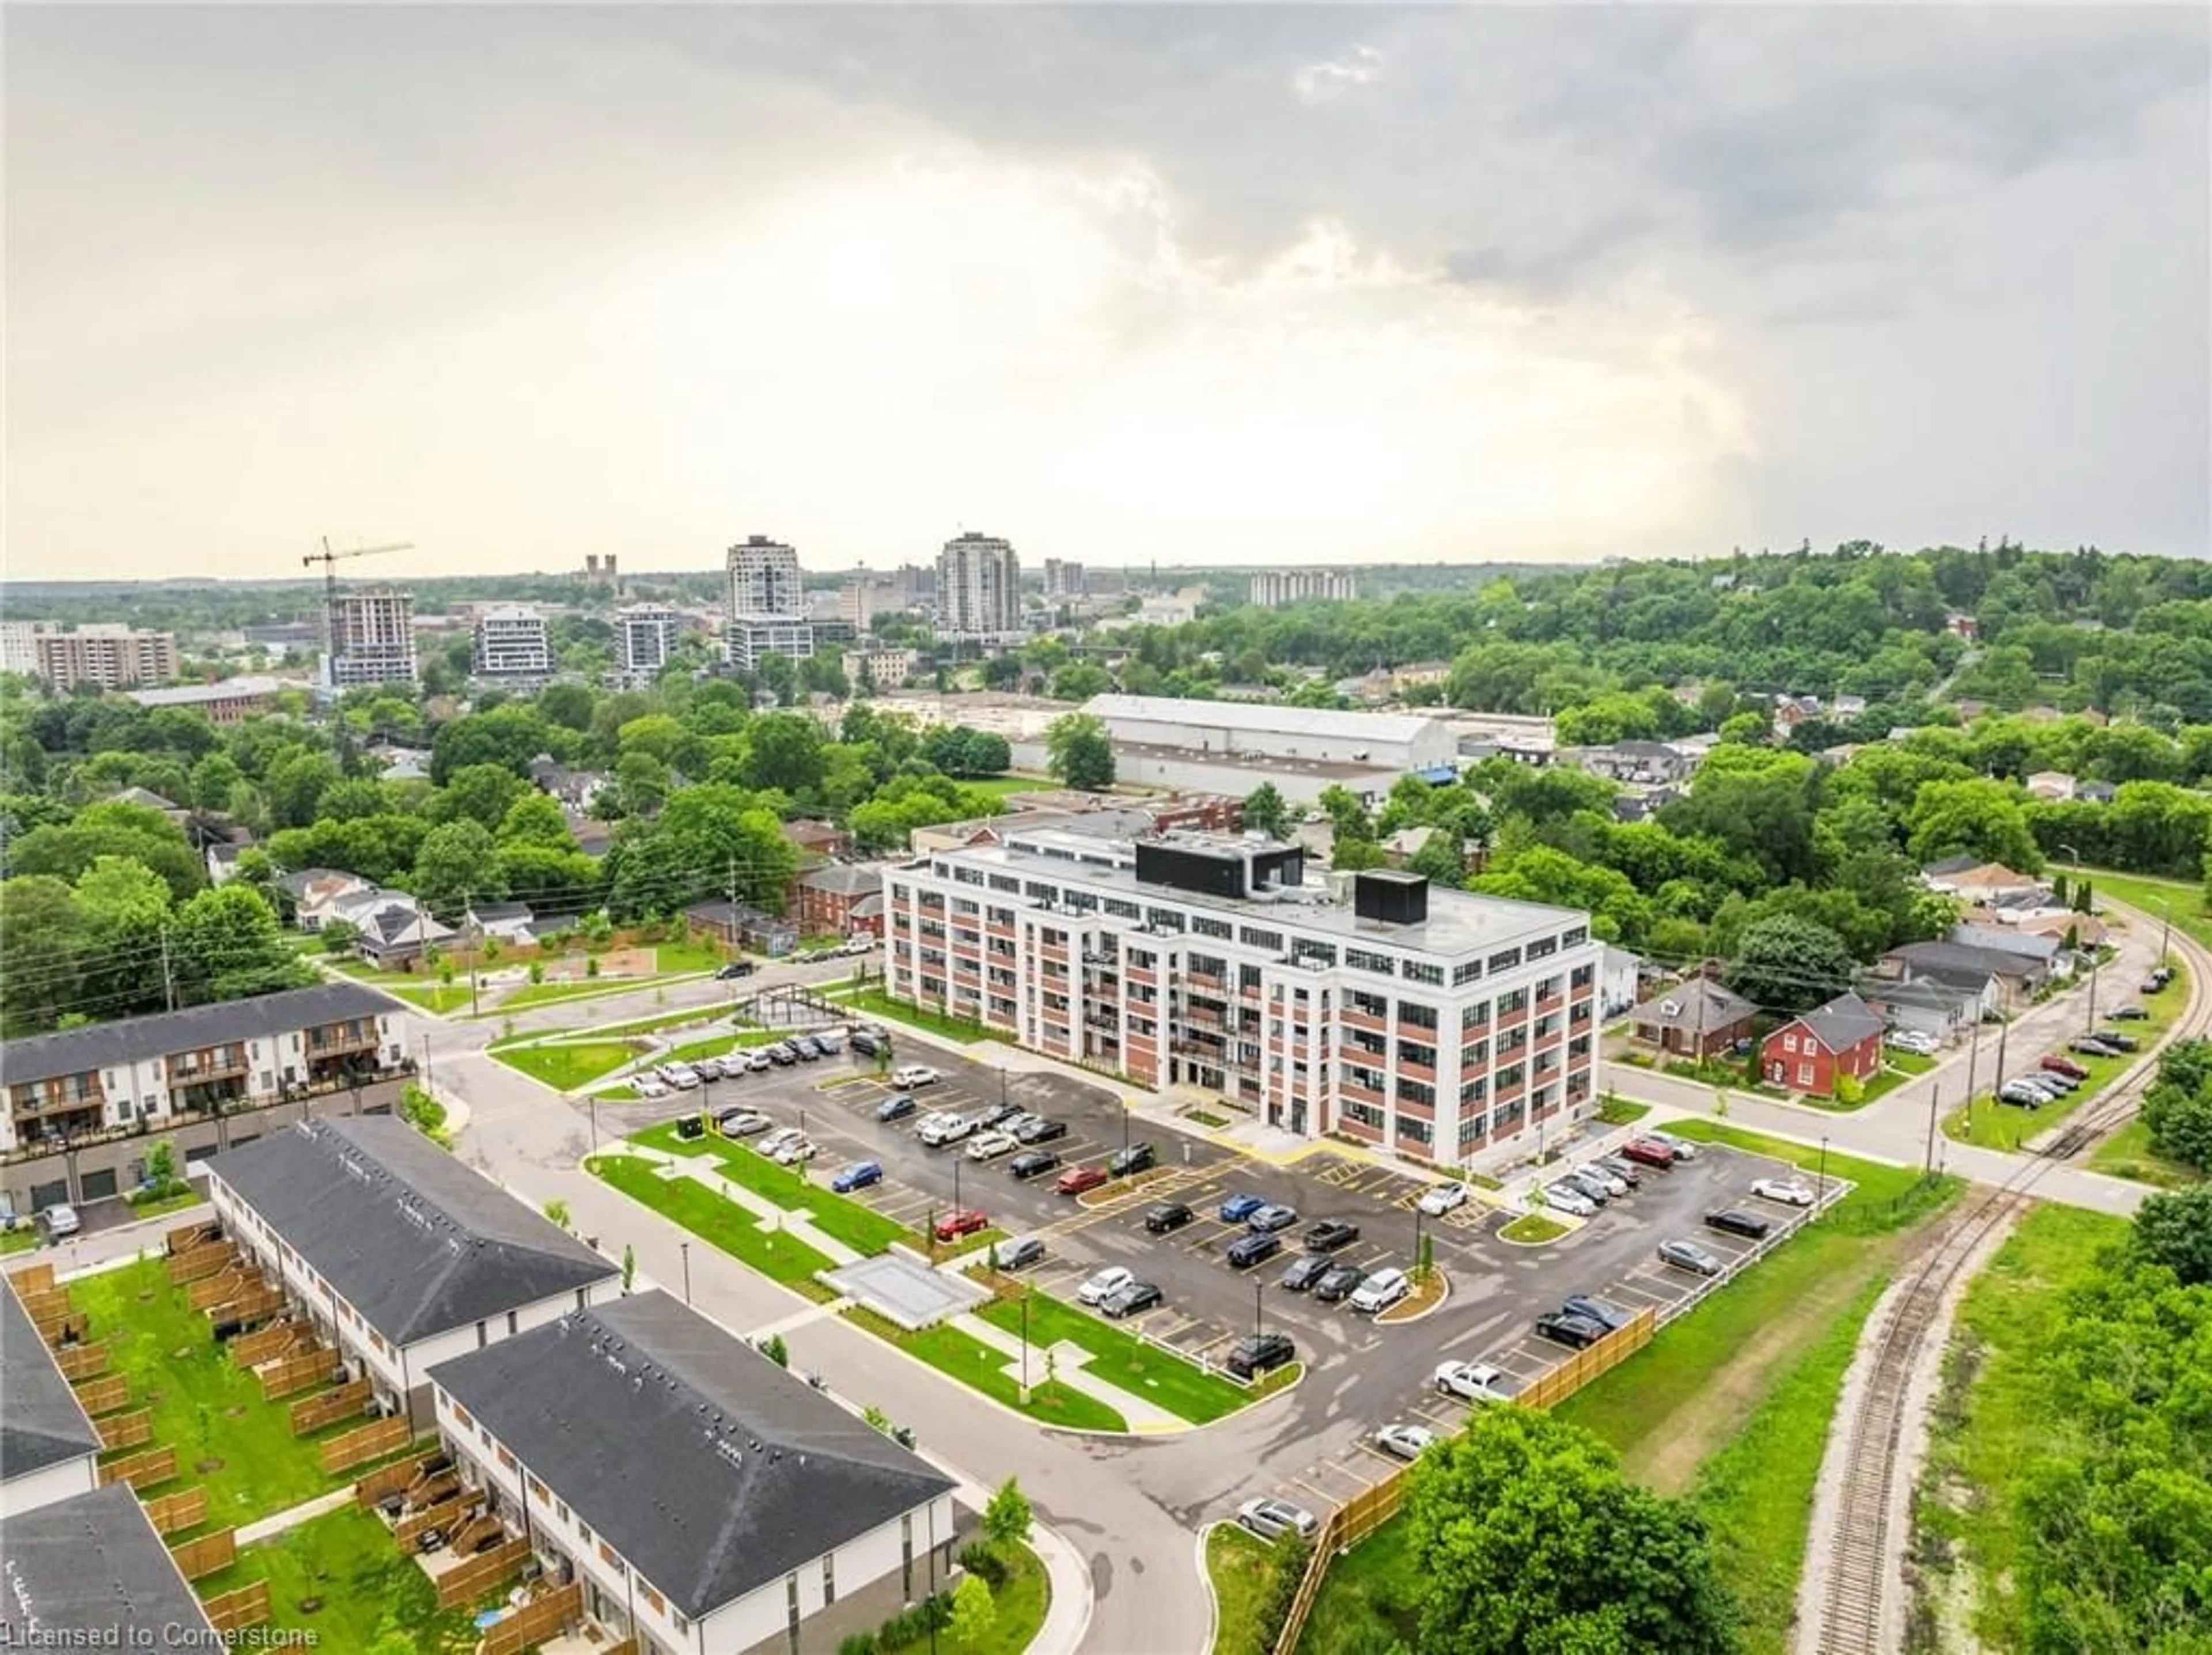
{"x":1222,"y":284}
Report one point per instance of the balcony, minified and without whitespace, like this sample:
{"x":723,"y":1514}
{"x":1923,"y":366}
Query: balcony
{"x":1352,"y":1019}
{"x":336,"y":1038}
{"x":201,"y":1067}
{"x":1416,"y":1072}
{"x":44,"y":1104}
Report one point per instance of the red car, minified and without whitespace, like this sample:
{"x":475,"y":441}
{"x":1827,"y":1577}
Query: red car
{"x":2065,"y":1066}
{"x":1077,"y":1179}
{"x":1649,"y":1151}
{"x":961,"y":1221}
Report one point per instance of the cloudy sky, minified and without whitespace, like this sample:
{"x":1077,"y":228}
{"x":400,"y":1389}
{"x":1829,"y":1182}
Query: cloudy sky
{"x":1236,"y":284}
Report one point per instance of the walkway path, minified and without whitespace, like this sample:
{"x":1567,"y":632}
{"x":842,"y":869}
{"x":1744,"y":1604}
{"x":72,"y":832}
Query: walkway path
{"x":292,"y":1516}
{"x":1069,"y":1367}
{"x":793,"y":1220}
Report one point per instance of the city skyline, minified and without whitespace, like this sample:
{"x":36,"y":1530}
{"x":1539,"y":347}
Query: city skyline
{"x":1323,"y":287}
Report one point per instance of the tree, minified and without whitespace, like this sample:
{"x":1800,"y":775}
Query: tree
{"x":1082,"y":755}
{"x":455,"y":863}
{"x":775,"y":1350}
{"x":973,"y":1612}
{"x":2174,"y":1229}
{"x":1978,"y":818}
{"x":1265,"y":810}
{"x":1439,"y":860}
{"x":535,"y":820}
{"x":629,"y":1266}
{"x":1527,"y":1537}
{"x":2177,"y":1110}
{"x":125,"y":906}
{"x":788,"y":751}
{"x":1789,"y":964}
{"x":1007,"y":1515}
{"x":295,"y":787}
{"x":225,"y":943}
{"x":478,"y":793}
{"x":40,"y":967}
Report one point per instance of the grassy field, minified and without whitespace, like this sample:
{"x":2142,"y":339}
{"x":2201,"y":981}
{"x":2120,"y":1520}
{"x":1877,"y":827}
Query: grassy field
{"x":874,"y":1002}
{"x":1911,"y":1061}
{"x":2184,"y":899}
{"x":1120,"y":1358}
{"x":1533,"y":1227}
{"x":1619,"y":1111}
{"x":716,"y":1044}
{"x":1373,"y":1583}
{"x":1000,"y":786}
{"x":859,"y":1225}
{"x":1236,"y":1563}
{"x":346,"y":1564}
{"x":1993,"y":1125}
{"x":672,"y":957}
{"x":205,"y":1405}
{"x":1993,"y":1419}
{"x":980,"y":1367}
{"x":723,"y":1223}
{"x":1021,"y":1605}
{"x":18,"y":1241}
{"x":566,"y":1068}
{"x":2127,"y":1154}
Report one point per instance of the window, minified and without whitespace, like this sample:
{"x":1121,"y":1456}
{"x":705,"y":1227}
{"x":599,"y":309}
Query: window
{"x":1416,"y":1014}
{"x":1416,"y":972}
{"x":584,"y":1530}
{"x":1470,"y":1128}
{"x":906,"y":1554}
{"x":1475,"y":1016}
{"x":1253,"y":937}
{"x":1412,"y":1051}
{"x":654,"y":1600}
{"x":1512,"y":1076}
{"x":1504,"y":960}
{"x":1472,"y":1092}
{"x":561,"y":1509}
{"x":1413,"y":1131}
{"x":829,"y":1578}
{"x":1366,"y":1114}
{"x":1122,"y":909}
{"x":1418,"y":1092}
{"x":1581,"y":977}
{"x":1789,"y":1043}
{"x":1205,"y":925}
{"x":1166,"y":919}
{"x":536,"y":1490}
{"x":510,"y":1324}
{"x":1366,"y":1004}
{"x":505,"y":1458}
{"x":1543,"y":947}
{"x":1547,"y":988}
{"x":1804,"y":1074}
{"x":1312,"y":952}
{"x":1358,"y":1074}
{"x":1509,"y":1004}
{"x":1360,"y":960}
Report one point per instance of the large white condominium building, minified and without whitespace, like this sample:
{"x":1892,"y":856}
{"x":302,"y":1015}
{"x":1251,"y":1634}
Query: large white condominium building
{"x":512,"y":641}
{"x":1279,"y":587}
{"x":764,"y":579}
{"x":645,"y":639}
{"x":979,"y":587}
{"x":1445,"y":1027}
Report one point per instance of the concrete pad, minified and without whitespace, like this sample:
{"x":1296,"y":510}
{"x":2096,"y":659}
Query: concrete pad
{"x":897,"y":1285}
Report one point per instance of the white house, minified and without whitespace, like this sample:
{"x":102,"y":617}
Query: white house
{"x":399,"y":1255}
{"x":49,"y":1450}
{"x":706,"y":1500}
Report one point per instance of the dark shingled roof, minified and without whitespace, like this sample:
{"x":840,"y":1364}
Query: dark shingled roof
{"x":91,"y":1564}
{"x":705,"y":1466}
{"x":1842,"y":1023}
{"x":413,"y":1240}
{"x":104,"y":1045}
{"x":1699,"y":1003}
{"x":41,"y":1423}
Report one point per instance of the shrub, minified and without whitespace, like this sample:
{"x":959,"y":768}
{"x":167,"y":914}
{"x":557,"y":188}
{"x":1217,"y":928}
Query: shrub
{"x":980,"y":1560}
{"x":773,"y":1347}
{"x":858,"y":1643}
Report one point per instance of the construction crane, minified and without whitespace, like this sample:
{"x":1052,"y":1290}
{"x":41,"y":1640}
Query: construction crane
{"x":329,"y":559}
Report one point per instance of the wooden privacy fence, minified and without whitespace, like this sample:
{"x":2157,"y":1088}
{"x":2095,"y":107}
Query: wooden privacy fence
{"x":62,"y":1331}
{"x":208,"y":1291}
{"x":535,"y":1622}
{"x":351,"y":1448}
{"x":340,"y":1402}
{"x":103,"y":1395}
{"x":443,"y":1515}
{"x":246,"y":1607}
{"x":289,"y":1375}
{"x":81,"y":1361}
{"x":196,"y":1559}
{"x":1561,"y":1383}
{"x":391,"y":1479}
{"x":472,"y":1580}
{"x":141,"y":1470}
{"x":32,"y":1278}
{"x":257,"y":1305}
{"x":187,"y":1236}
{"x":125,"y":1430}
{"x":48,"y":1305}
{"x":251,"y":1350}
{"x":201,"y":1262}
{"x":182,"y":1510}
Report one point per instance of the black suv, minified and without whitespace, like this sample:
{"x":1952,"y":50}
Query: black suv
{"x":1168,"y":1215}
{"x":1567,"y":1328}
{"x":1330,"y":1234}
{"x":1040,"y":1132}
{"x":1306,"y":1269}
{"x":1247,"y":1250}
{"x":736,"y":968}
{"x":1135,"y":1159}
{"x":1736,"y":1222}
{"x":1339,"y":1283}
{"x":897,"y":1108}
{"x":1258,"y":1352}
{"x":1030,"y":1162}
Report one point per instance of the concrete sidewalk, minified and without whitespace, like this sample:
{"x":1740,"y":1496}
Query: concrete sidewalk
{"x":793,"y":1220}
{"x":1070,"y":1368}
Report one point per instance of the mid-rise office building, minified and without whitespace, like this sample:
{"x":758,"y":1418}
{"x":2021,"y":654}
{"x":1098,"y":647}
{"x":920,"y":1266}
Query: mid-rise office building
{"x":866,"y":596}
{"x":228,"y":700}
{"x":1062,"y":579}
{"x":764,"y":579}
{"x":749,"y":640}
{"x":979,"y":587}
{"x":513,"y":643}
{"x":19,"y":648}
{"x":1443,"y":1026}
{"x":1277,"y":588}
{"x":372,"y":639}
{"x":645,"y":641}
{"x":105,"y":657}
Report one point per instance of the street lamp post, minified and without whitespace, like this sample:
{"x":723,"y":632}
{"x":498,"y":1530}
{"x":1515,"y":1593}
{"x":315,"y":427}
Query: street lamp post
{"x":1125,"y":1126}
{"x":1259,"y":1288}
{"x":593,"y":1100}
{"x":1025,"y":1349}
{"x":1823,"y":1194}
{"x":687,"y":1272}
{"x":1418,"y":1216}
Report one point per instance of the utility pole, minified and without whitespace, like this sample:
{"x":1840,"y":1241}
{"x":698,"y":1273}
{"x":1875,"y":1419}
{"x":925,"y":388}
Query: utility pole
{"x":2004,"y":1031}
{"x":1934,"y":1093}
{"x":468,"y":905}
{"x":169,"y":974}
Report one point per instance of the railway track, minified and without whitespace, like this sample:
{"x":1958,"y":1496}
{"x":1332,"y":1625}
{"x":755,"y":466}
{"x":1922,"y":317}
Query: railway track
{"x":1860,"y":1604}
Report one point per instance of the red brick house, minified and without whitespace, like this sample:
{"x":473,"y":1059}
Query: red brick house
{"x":818,"y":839}
{"x":1696,"y":1018}
{"x":1808,"y":1052}
{"x":824,"y":900}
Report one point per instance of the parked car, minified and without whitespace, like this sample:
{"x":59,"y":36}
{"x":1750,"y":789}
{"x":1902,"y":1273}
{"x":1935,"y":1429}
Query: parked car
{"x":1568,"y":1200}
{"x":996,"y":1114}
{"x":735,"y":969}
{"x":1259,"y":1353}
{"x":897,"y":1107}
{"x":914,"y":1076}
{"x":1020,"y":1253}
{"x":1237,"y":1208}
{"x":781,"y":1054}
{"x":2051,"y":1080}
{"x":1338,"y":1283}
{"x":1734,"y":1220}
{"x":859,"y":1176}
{"x":1475,"y":1382}
{"x":60,"y":1221}
{"x":684,"y":1077}
{"x":1249,"y":1249}
{"x":866,"y":1043}
{"x":1031,"y":1163}
{"x":1598,"y":1173}
{"x":1013,"y":1124}
{"x":831,"y":1042}
{"x":2114,"y":1038}
{"x":795,"y":1150}
{"x":650,"y":1085}
{"x":989,"y":1146}
{"x":1329,"y":1234}
{"x":1791,"y":1192}
{"x":1271,"y":1217}
{"x":1304,"y":1271}
{"x":742,"y":1122}
{"x":1914,"y":1040}
{"x":2022,"y":1097}
{"x":1168,"y":1215}
{"x":1565,"y":1328}
{"x":756,"y":1062}
{"x":1380,"y":1291}
{"x":2066,"y":1065}
{"x":1099,"y":1283}
{"x":1271,"y":1520}
{"x":1040,"y":1132}
{"x":1404,"y":1441}
{"x":777,"y":1139}
{"x":707,"y":1068}
{"x":2159,"y":978}
{"x":960,"y":1222}
{"x":1130,"y":1300}
{"x":2128,"y":1015}
{"x":1649,"y":1152}
{"x":1608,"y":1315}
{"x":1688,"y":1256}
{"x":1081,"y":1180}
{"x":1622,"y":1168}
{"x":939,"y":1130}
{"x":1592,"y":1189}
{"x":1123,"y":1163}
{"x":1443,"y":1199}
{"x":1684,"y":1149}
{"x":807,"y":1048}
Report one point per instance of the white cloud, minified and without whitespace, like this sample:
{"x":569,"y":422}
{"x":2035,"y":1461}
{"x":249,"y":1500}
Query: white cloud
{"x":1335,"y":77}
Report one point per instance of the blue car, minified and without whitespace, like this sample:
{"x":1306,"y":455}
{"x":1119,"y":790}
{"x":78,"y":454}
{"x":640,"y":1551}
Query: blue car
{"x":1237,"y":1208}
{"x":859,"y":1176}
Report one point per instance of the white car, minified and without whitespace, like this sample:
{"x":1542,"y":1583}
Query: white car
{"x":941,"y":1130}
{"x":1380,"y":1291}
{"x":1272,"y":1518}
{"x":1441,"y":1199}
{"x":1477,"y":1382}
{"x":647,"y":1086}
{"x":1684,"y":1149}
{"x":1791,"y":1192}
{"x":989,"y":1146}
{"x":1404,"y":1441}
{"x":1104,"y":1284}
{"x":792,"y":1150}
{"x":60,"y":1220}
{"x":1568,"y":1200}
{"x":777,"y":1139}
{"x":1914,"y":1040}
{"x":907,"y":1076}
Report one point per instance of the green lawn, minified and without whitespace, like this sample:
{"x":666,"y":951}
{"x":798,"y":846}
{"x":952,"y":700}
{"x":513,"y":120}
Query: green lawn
{"x":673,"y":957}
{"x":1911,"y":1061}
{"x":714,"y":1045}
{"x":1021,"y":1603}
{"x":1756,"y":1493}
{"x":1000,"y":786}
{"x":978,"y":1366}
{"x":346,"y":1563}
{"x":2127,"y":1154}
{"x":205,"y":1405}
{"x":2184,"y":900}
{"x":18,"y":1241}
{"x":1619,"y":1111}
{"x":859,"y":1225}
{"x":1120,"y":1358}
{"x":1237,"y":1562}
{"x":1372,"y":1583}
{"x":1994,"y":1419}
{"x":436,"y":997}
{"x":1983,"y":1121}
{"x":1533,"y":1227}
{"x":874,"y":1002}
{"x":566,"y":1068}
{"x":684,"y":1200}
{"x":176,"y":1203}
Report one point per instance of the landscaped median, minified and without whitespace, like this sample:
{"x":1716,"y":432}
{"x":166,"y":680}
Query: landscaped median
{"x":980,"y":1367}
{"x":1120,"y":1358}
{"x":859,"y":1225}
{"x":713,"y":1218}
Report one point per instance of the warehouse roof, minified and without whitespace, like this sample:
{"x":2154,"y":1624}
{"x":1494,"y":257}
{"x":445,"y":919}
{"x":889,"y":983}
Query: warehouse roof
{"x":1256,"y":718}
